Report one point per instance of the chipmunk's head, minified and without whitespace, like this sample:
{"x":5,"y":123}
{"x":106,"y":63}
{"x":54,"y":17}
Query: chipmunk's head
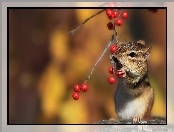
{"x":133,"y":58}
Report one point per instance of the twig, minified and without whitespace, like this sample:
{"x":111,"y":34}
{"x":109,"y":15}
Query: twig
{"x":114,"y":31}
{"x":115,"y":41}
{"x":73,"y":31}
{"x":112,"y":39}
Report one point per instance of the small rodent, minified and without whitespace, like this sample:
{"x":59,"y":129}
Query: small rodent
{"x":134,"y":96}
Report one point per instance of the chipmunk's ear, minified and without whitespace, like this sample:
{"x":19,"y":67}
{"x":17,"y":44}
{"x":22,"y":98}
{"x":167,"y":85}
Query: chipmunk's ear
{"x":147,"y":53}
{"x":141,"y":42}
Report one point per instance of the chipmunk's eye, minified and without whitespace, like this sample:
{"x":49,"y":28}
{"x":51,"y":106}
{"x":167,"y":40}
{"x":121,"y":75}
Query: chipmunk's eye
{"x":132,"y":54}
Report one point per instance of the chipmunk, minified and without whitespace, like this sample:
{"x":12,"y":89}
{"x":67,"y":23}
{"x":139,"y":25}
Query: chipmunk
{"x":134,"y":96}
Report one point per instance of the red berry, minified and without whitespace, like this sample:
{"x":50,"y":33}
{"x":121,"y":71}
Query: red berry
{"x":109,"y":12}
{"x":113,"y":48}
{"x":124,"y":15}
{"x":115,"y":13}
{"x":76,"y":95}
{"x":111,"y":80}
{"x":76,"y":88}
{"x":110,"y":26}
{"x":84,"y":87}
{"x":118,"y":22}
{"x":111,"y":17}
{"x":119,"y":74}
{"x":111,"y":70}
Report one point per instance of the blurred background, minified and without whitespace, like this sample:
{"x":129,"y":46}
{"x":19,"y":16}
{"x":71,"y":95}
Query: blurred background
{"x":45,"y":63}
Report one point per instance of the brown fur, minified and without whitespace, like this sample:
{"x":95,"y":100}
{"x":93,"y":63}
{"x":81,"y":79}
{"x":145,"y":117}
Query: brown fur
{"x":133,"y":56}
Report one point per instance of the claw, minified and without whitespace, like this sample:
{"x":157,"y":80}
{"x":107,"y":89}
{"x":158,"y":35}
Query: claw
{"x":122,"y":71}
{"x":136,"y":120}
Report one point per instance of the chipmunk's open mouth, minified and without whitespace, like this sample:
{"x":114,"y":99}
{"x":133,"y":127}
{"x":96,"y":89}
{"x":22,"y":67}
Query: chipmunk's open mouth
{"x":120,"y":71}
{"x":119,"y":65}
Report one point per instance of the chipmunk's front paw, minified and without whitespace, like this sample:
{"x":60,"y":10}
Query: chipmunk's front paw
{"x":136,"y":119}
{"x":121,"y":72}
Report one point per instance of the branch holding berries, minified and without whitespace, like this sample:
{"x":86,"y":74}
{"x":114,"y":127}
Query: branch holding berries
{"x":112,"y":14}
{"x":73,"y":31}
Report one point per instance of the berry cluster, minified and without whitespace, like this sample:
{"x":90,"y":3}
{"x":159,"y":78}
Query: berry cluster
{"x":77,"y":89}
{"x":114,"y":14}
{"x":111,"y":14}
{"x":117,"y":21}
{"x":111,"y":70}
{"x":118,"y":73}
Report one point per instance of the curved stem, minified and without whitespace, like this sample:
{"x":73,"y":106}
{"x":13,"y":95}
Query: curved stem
{"x":112,"y":39}
{"x":73,"y":31}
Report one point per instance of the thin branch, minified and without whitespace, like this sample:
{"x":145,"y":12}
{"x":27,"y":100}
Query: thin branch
{"x":112,"y":39}
{"x":115,"y":41}
{"x":73,"y":31}
{"x":114,"y":30}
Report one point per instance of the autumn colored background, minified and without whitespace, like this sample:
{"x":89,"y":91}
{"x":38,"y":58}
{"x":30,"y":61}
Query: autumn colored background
{"x":45,"y":63}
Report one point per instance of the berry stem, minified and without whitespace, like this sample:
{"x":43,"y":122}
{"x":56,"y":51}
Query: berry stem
{"x":115,"y":31}
{"x":115,"y":34}
{"x":73,"y":31}
{"x":112,"y":39}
